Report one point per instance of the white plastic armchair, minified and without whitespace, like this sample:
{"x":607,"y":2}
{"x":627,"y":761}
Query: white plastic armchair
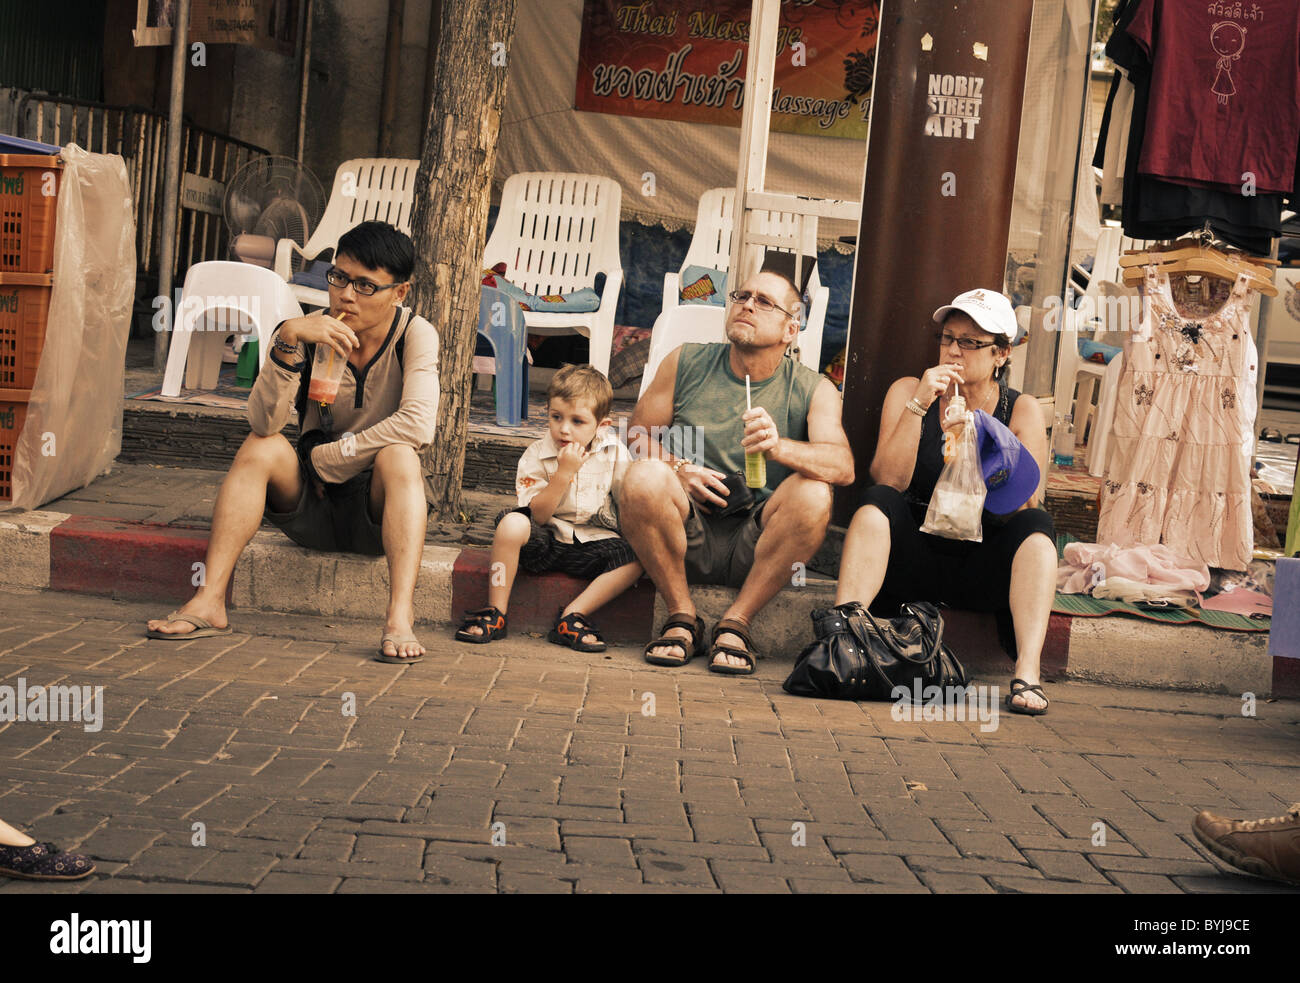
{"x":555,"y":232}
{"x":711,"y":248}
{"x":699,"y":323}
{"x":220,"y":299}
{"x":380,"y":189}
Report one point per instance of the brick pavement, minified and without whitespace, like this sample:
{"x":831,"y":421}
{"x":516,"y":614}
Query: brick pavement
{"x":524,"y":767}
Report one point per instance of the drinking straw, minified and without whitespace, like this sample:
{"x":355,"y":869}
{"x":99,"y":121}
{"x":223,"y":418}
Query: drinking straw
{"x":748,"y":405}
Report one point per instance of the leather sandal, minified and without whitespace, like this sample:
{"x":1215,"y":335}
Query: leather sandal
{"x":689,"y":649}
{"x":490,"y":621}
{"x":734,"y":627}
{"x":1024,"y":687}
{"x":570,"y":629}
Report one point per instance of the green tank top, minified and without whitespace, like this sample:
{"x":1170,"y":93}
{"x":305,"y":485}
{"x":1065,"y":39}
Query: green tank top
{"x":708,"y":402}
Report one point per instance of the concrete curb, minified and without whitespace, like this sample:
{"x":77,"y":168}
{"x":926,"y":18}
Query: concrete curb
{"x":161,"y":563}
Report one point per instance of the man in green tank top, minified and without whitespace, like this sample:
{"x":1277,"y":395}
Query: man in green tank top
{"x":691,"y":430}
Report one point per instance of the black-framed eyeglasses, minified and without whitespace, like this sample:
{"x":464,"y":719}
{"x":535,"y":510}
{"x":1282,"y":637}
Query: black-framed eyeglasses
{"x":965,"y":344}
{"x":760,"y":302}
{"x":337,"y":278}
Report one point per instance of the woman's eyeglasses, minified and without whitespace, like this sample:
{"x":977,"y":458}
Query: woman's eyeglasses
{"x":965,"y":344}
{"x":760,"y":302}
{"x":337,"y":278}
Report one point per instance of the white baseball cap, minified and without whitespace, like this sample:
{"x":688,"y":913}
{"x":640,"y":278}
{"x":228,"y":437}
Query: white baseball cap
{"x":988,"y":309}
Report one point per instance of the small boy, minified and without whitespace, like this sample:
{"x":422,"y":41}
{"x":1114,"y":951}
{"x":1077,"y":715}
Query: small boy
{"x":566,"y":483}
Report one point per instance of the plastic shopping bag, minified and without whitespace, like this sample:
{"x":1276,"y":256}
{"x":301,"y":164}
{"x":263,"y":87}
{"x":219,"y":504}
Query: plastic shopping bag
{"x":957,"y":505}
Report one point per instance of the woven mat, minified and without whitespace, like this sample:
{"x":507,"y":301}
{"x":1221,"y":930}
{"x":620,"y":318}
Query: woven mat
{"x":1084,"y":606}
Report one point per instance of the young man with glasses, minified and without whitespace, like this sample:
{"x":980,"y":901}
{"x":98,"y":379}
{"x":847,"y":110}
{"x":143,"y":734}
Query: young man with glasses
{"x":678,"y":511}
{"x":355,"y":482}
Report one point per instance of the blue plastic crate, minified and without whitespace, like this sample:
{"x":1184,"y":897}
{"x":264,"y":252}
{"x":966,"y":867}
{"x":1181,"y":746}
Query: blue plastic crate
{"x":17,"y":145}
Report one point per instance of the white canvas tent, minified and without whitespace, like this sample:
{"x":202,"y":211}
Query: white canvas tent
{"x":542,"y":131}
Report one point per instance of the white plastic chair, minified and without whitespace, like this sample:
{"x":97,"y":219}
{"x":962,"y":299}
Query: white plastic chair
{"x":1071,"y":370}
{"x":380,"y":189}
{"x":228,"y":298}
{"x":711,"y":248}
{"x":555,"y":232}
{"x":689,"y":322}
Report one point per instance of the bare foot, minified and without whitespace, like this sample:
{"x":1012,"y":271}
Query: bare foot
{"x":408,"y":648}
{"x":1028,"y":698}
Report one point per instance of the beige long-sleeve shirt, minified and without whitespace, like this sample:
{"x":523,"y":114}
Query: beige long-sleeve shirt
{"x":381,"y":404}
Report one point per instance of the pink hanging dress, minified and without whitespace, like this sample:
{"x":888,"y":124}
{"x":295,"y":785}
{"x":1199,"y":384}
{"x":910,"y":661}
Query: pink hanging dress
{"x":1178,"y":473}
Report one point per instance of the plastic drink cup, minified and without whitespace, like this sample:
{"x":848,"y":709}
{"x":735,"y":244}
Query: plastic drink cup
{"x":755,"y":462}
{"x":326,"y":374}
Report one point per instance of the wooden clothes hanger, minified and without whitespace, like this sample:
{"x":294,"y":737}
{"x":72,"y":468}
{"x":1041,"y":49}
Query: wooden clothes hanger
{"x":1196,"y":256}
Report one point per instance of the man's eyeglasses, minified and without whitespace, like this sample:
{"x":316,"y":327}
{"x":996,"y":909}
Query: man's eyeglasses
{"x":965,"y":344}
{"x":337,"y":278}
{"x":760,"y":302}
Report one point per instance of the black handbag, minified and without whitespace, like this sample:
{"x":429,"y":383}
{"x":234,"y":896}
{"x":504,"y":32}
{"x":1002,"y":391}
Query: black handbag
{"x":856,"y":657}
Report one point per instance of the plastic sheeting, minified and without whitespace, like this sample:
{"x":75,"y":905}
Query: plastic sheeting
{"x":74,"y":420}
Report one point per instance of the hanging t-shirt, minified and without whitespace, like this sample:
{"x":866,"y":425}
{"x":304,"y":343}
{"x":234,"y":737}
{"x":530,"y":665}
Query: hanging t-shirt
{"x":1225,"y":92}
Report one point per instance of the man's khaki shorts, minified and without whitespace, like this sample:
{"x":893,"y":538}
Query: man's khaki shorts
{"x":721,"y":550}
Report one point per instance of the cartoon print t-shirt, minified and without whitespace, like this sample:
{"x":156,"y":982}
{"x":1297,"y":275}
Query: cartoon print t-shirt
{"x":1224,"y":109}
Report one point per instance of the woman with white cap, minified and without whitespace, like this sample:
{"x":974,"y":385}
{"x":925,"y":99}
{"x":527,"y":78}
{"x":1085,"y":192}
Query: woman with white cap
{"x":1014,"y":567}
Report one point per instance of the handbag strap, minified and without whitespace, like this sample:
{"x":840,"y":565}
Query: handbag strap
{"x":887,"y":637}
{"x":930,"y":619}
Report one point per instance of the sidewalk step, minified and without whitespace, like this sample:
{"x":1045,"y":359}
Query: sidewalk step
{"x":129,"y":560}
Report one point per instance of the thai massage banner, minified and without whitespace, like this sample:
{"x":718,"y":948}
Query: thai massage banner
{"x":685,"y":60}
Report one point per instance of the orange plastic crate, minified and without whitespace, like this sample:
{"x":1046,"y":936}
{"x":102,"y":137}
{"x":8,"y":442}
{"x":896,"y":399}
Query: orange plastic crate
{"x":13,"y":414}
{"x":28,"y":201}
{"x":24,"y":310}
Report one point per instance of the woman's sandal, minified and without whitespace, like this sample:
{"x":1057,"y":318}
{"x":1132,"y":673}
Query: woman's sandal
{"x":1027,"y":710}
{"x":490,"y":621}
{"x":690,"y":649}
{"x":571,"y":628}
{"x":740,"y":629}
{"x":44,"y":862}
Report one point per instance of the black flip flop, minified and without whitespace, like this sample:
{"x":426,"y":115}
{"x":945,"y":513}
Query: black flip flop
{"x":689,"y":650}
{"x":739,"y":628}
{"x":1026,"y":688}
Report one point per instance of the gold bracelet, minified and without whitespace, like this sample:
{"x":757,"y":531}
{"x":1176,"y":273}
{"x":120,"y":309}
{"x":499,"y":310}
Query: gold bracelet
{"x":913,"y":405}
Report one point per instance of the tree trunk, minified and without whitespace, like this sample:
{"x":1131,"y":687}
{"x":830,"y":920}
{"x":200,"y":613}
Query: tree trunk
{"x":450,"y":221}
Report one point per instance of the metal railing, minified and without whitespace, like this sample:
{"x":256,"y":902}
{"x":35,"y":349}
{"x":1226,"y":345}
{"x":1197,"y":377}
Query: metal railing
{"x":140,"y":137}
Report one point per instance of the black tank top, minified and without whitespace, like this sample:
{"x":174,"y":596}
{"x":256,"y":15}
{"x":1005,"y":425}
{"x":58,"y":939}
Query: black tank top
{"x":929,"y":452}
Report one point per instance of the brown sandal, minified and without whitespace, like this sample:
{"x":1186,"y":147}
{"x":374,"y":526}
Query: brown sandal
{"x":689,"y":649}
{"x":734,"y":627}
